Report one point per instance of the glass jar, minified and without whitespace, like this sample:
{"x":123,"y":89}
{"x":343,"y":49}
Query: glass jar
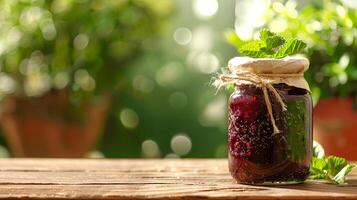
{"x":256,"y":154}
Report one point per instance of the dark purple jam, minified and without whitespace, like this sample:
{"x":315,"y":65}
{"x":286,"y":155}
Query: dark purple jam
{"x":256,"y":155}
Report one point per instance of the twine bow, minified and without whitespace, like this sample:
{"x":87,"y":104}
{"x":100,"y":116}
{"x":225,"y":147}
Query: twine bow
{"x":264,"y":81}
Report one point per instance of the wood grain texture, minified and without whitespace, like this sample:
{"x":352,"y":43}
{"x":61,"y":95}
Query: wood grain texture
{"x":141,"y":179}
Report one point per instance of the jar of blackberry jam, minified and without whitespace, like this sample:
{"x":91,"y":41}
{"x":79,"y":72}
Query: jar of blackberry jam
{"x":270,"y":120}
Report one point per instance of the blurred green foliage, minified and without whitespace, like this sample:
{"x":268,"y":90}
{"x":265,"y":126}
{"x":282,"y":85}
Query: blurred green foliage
{"x":329,"y":27}
{"x":80,"y":45}
{"x":162,"y":101}
{"x":172,"y":106}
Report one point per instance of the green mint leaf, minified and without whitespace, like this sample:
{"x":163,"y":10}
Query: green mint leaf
{"x":254,"y":45}
{"x":255,"y":54}
{"x":253,"y":49}
{"x":341,"y":176}
{"x":331,"y":168}
{"x":335,"y":164}
{"x":269,"y":45}
{"x":318,"y":168}
{"x":273,"y":43}
{"x":264,"y":34}
{"x":231,"y":88}
{"x":291,"y":46}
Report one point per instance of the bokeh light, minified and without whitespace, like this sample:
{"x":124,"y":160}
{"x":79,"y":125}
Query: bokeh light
{"x":172,"y":156}
{"x":214,"y":113}
{"x":37,"y":83}
{"x":48,"y":29}
{"x":129,"y":118}
{"x":84,"y":80}
{"x":206,"y":63}
{"x":81,"y":41}
{"x":182,"y":36}
{"x":202,"y":39}
{"x":31,"y":16}
{"x":4,"y":153}
{"x":244,"y":25}
{"x":205,"y":9}
{"x":60,"y":6}
{"x":61,"y":80}
{"x":7,"y":84}
{"x":150,"y":149}
{"x":181,"y":144}
{"x":94,"y":155}
{"x":278,"y":25}
{"x":350,"y":3}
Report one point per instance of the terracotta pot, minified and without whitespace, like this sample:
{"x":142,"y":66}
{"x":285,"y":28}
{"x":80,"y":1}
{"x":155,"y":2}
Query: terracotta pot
{"x":335,"y":127}
{"x":36,"y":127}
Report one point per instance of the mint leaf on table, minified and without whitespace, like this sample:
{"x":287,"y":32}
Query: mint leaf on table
{"x":318,"y":168}
{"x":335,"y":164}
{"x":340,"y":177}
{"x":269,"y":45}
{"x":331,"y":168}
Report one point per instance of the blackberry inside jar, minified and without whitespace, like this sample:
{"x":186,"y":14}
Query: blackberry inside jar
{"x":255,"y":154}
{"x":270,"y":120}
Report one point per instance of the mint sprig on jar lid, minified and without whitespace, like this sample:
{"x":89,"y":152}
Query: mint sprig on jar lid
{"x":270,"y":113}
{"x":266,"y":63}
{"x":269,"y":45}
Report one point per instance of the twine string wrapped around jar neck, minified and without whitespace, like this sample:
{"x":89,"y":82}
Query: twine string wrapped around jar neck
{"x":264,"y":81}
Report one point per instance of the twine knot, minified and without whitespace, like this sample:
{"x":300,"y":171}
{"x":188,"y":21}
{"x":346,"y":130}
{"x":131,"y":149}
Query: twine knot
{"x":264,"y":81}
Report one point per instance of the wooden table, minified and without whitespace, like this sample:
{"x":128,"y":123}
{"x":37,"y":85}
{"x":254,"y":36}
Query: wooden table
{"x":140,"y":179}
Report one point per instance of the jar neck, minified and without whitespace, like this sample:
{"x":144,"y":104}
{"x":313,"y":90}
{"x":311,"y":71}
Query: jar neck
{"x":281,"y":87}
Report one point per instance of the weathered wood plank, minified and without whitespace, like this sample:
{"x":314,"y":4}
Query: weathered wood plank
{"x":140,"y":179}
{"x":128,"y":165}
